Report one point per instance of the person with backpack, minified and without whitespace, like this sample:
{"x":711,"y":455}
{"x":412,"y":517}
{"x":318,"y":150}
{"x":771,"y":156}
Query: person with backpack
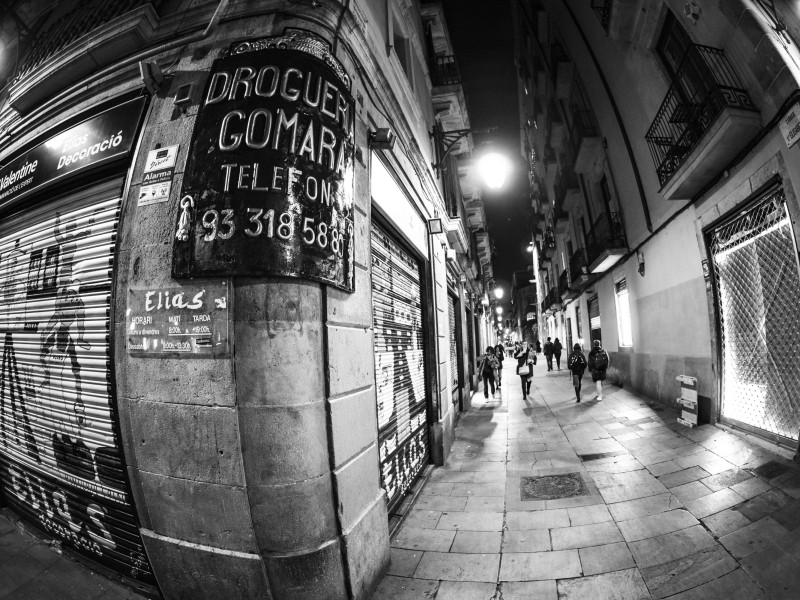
{"x":487,"y":367}
{"x":557,"y":347}
{"x":576,"y":363}
{"x":524,"y":368}
{"x":548,"y":354}
{"x":500,"y":354}
{"x":598,"y":364}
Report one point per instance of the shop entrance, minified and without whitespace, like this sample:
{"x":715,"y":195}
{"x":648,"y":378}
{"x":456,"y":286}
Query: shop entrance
{"x":757,"y":289}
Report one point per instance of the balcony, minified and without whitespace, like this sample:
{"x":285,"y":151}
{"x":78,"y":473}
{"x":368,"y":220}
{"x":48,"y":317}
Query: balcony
{"x":562,"y":71}
{"x":551,"y":302}
{"x":549,"y":244}
{"x":607,"y":242}
{"x":602,"y":10}
{"x":444,"y":71}
{"x":587,"y":145}
{"x":565,"y":180}
{"x":556,"y":131}
{"x":618,"y":17}
{"x":704,"y":121}
{"x":579,"y":270}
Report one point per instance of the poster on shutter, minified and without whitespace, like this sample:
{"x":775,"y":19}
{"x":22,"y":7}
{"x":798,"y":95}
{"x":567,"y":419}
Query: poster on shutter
{"x":191,"y":320}
{"x":60,"y":461}
{"x":268,"y":185}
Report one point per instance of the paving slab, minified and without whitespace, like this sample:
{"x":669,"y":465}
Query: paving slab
{"x":403,"y":562}
{"x":683,"y":476}
{"x":403,"y":588}
{"x":434,"y":540}
{"x":471,"y":521}
{"x":690,"y":491}
{"x":477,"y":542}
{"x":460,"y":590}
{"x":775,"y":568}
{"x":764,"y":504}
{"x":587,"y":515}
{"x":713,"y":503}
{"x":541,"y":519}
{"x":688,"y":572}
{"x":751,"y":488}
{"x":754,"y":537}
{"x":533,"y":566}
{"x":736,"y":585}
{"x":455,"y":566}
{"x":606,"y":558}
{"x":582,"y":536}
{"x":526,"y":590}
{"x":441,"y":503}
{"x":619,"y":585}
{"x":668,"y":547}
{"x":642,"y":507}
{"x":530,"y":540}
{"x":650,"y":526}
{"x":725,"y":522}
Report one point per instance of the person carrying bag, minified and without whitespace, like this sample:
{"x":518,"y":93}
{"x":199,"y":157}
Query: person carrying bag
{"x":524,"y":369}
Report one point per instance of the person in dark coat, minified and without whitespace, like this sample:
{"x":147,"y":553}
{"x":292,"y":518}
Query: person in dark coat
{"x":576,"y":363}
{"x":598,"y":363}
{"x":500,"y":354}
{"x":487,"y":365}
{"x":538,"y":347}
{"x":523,"y":356}
{"x":548,"y":354}
{"x":557,"y":352}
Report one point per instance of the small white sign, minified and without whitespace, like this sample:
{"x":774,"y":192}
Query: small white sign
{"x":157,"y":192}
{"x":790,"y":125}
{"x":161,"y":158}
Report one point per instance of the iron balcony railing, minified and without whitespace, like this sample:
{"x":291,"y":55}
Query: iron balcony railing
{"x":552,"y":298}
{"x":557,"y":55}
{"x":82,"y":19}
{"x":584,"y":125}
{"x":704,"y":85}
{"x":549,"y":244}
{"x":607,"y":232}
{"x":602,"y":10}
{"x":578,"y":265}
{"x":563,"y":283}
{"x":444,"y":70}
{"x":565,"y":180}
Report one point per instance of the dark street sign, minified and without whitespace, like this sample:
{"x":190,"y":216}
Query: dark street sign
{"x":96,"y":140}
{"x":268,"y":186}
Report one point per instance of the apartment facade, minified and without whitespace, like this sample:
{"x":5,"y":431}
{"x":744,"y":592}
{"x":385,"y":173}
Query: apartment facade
{"x":660,"y":137}
{"x":242,"y":284}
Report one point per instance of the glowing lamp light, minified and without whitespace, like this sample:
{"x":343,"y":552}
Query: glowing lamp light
{"x":498,"y":293}
{"x":494,"y":168}
{"x":499,"y":310}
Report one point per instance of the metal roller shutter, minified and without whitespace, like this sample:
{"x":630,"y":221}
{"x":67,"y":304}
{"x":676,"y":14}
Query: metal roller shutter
{"x":594,"y":318}
{"x":399,"y":365}
{"x":60,"y":459}
{"x":451,"y":317}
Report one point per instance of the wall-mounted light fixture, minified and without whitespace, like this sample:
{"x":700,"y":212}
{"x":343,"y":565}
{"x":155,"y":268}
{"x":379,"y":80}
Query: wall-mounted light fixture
{"x":435,"y":226}
{"x":381,"y":139}
{"x":640,"y":260}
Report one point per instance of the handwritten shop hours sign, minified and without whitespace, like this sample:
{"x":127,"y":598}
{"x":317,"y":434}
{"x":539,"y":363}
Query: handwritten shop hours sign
{"x":268,"y":186}
{"x":190,"y":320}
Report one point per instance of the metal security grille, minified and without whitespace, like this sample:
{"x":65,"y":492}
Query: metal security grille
{"x":758,"y":288}
{"x":60,"y":458}
{"x":399,"y":365}
{"x":594,"y":318}
{"x":451,"y":318}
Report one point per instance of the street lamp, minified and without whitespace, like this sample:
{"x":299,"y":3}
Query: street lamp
{"x":494,"y":168}
{"x":498,"y":292}
{"x":499,"y":310}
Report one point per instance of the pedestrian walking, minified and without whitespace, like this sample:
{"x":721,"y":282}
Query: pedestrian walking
{"x":486,"y":370}
{"x":557,"y":352}
{"x":500,"y":353}
{"x":538,"y":347}
{"x":576,"y":363}
{"x":598,"y":364}
{"x":524,"y":368}
{"x":548,"y":354}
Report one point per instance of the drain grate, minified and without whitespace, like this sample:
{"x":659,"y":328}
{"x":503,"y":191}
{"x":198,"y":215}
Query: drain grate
{"x":771,"y":470}
{"x":552,"y":487}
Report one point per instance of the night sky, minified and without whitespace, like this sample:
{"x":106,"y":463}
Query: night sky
{"x":484,"y":46}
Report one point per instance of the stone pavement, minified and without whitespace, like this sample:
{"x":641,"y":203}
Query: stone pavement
{"x":547,"y":499}
{"x":33,"y":570}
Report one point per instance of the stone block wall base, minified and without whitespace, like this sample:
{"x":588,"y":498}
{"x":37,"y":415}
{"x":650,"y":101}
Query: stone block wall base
{"x":436,"y":436}
{"x":186,"y":570}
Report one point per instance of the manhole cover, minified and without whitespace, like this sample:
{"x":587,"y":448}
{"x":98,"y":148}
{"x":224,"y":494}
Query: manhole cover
{"x":770,"y":470}
{"x":552,"y":487}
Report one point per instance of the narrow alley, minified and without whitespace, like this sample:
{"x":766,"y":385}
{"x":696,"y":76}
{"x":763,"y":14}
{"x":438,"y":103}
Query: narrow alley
{"x":550,"y":499}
